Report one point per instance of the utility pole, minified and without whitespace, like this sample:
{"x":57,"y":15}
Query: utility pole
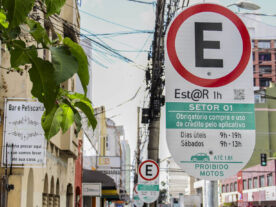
{"x":157,"y":98}
{"x":156,"y":82}
{"x":138,"y":145}
{"x":211,"y":188}
{"x":157,"y":74}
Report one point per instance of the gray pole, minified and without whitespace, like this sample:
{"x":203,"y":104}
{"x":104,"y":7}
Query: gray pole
{"x":138,"y":138}
{"x":211,"y":193}
{"x":156,"y":84}
{"x":138,"y":146}
{"x":153,"y":146}
{"x":156,"y":90}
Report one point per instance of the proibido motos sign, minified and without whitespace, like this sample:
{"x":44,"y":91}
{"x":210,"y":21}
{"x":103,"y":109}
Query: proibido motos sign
{"x":210,"y":117}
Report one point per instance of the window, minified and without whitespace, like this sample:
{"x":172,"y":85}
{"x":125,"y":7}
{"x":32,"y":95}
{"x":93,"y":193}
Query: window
{"x":264,"y":82}
{"x":252,"y":44}
{"x":236,"y":186}
{"x":107,"y":143}
{"x":244,"y":184}
{"x":265,"y":69}
{"x":255,"y":182}
{"x":262,"y":181}
{"x":250,"y":183}
{"x":257,"y":98}
{"x":227,"y":188}
{"x":264,"y":44}
{"x":264,"y":57}
{"x":269,"y":180}
{"x":223,"y":189}
{"x":231,"y":187}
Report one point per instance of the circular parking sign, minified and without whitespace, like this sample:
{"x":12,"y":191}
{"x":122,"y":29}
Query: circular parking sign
{"x":225,"y":45}
{"x":149,"y":170}
{"x":148,"y":181}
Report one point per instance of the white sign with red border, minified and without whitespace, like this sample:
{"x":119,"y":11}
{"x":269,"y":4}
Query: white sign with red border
{"x":210,"y":118}
{"x":148,"y":181}
{"x":136,"y":199}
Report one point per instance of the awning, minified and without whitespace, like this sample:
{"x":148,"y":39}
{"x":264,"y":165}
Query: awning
{"x":109,"y":190}
{"x":89,"y":176}
{"x":111,"y":197}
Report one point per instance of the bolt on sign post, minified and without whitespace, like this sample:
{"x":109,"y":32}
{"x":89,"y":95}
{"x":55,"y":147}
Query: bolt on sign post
{"x":148,"y":181}
{"x":136,"y":199}
{"x":210,"y":120}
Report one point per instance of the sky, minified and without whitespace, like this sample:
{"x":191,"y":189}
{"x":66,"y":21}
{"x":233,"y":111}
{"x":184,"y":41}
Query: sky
{"x":118,"y":85}
{"x":115,"y":84}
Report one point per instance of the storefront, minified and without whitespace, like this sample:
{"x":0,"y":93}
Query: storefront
{"x":98,"y":189}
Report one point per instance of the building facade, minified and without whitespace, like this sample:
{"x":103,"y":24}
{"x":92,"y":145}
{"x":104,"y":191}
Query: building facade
{"x":107,"y":159}
{"x":257,"y":187}
{"x":78,"y":176}
{"x":255,"y":184}
{"x":263,"y":38}
{"x":181,"y":184}
{"x":264,"y":62}
{"x":126,"y":168}
{"x":54,"y":183}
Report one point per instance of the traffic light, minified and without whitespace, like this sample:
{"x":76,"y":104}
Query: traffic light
{"x":263,"y":159}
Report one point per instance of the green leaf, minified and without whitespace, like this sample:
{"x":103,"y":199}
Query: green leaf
{"x":19,"y":55}
{"x":44,"y":85}
{"x":60,"y":38}
{"x":80,"y":55}
{"x":77,"y":119}
{"x":67,"y":117}
{"x":88,"y":111}
{"x":17,"y":11}
{"x":54,"y":6}
{"x":64,"y":63}
{"x":77,"y":116}
{"x":51,"y":122}
{"x":75,"y":97}
{"x":13,"y":33}
{"x":38,"y":32}
{"x":3,"y":20}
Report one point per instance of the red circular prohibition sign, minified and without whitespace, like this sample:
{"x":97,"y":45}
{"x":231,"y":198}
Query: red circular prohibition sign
{"x":171,"y":36}
{"x":156,"y":168}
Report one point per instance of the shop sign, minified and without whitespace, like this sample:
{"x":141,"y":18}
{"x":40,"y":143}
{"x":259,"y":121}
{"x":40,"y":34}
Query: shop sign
{"x":24,"y":142}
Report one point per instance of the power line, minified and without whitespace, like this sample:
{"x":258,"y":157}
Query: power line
{"x":144,"y":2}
{"x":123,"y":33}
{"x":104,"y":46}
{"x":108,"y":21}
{"x":96,"y":36}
